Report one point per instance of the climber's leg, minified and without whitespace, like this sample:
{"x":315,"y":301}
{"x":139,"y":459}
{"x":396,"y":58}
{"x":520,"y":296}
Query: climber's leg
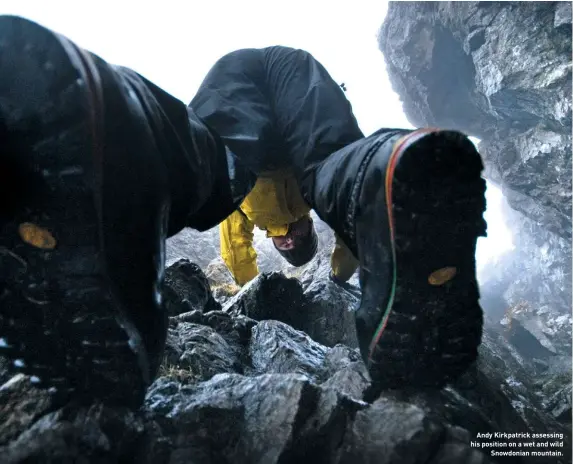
{"x":410,"y":205}
{"x":97,"y":166}
{"x":313,"y":116}
{"x":276,"y":107}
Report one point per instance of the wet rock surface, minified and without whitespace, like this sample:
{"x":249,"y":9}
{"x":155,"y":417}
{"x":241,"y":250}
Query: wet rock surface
{"x":500,"y":72}
{"x":187,"y":288}
{"x":324,"y":310}
{"x":236,"y":389}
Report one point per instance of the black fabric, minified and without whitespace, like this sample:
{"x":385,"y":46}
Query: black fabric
{"x":339,"y":184}
{"x":192,"y":153}
{"x":256,"y":110}
{"x":276,"y":107}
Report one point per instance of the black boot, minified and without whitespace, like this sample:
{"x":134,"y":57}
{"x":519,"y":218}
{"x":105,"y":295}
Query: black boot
{"x":411,"y":204}
{"x":97,"y":168}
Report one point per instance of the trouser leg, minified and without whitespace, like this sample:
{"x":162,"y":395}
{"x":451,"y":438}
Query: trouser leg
{"x":98,"y":167}
{"x":197,"y":161}
{"x":279,"y":107}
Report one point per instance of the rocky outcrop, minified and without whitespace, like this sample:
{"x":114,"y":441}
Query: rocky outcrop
{"x":323,"y":310}
{"x":200,"y":247}
{"x":501,"y":71}
{"x":236,"y":389}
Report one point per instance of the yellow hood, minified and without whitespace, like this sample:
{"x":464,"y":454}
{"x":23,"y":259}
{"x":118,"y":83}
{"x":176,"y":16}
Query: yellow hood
{"x":275,"y":202}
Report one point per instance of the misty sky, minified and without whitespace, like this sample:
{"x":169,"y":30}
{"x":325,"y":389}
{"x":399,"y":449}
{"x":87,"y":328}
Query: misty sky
{"x":174,"y":43}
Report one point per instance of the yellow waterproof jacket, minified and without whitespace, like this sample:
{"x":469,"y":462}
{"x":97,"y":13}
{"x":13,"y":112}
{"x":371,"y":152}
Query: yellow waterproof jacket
{"x":274,"y":202}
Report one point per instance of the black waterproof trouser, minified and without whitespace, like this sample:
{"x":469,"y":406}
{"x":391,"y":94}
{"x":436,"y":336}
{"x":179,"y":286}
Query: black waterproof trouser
{"x":274,"y":107}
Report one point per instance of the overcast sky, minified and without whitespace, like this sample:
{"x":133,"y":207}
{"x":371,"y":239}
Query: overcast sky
{"x":175,"y":42}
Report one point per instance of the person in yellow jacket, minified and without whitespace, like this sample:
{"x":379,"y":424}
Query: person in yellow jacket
{"x":276,"y":206}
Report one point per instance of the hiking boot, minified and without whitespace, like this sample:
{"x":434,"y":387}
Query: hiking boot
{"x":86,"y":190}
{"x":414,"y":209}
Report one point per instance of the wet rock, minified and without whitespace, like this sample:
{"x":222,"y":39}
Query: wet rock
{"x":345,"y":371}
{"x":264,"y":419}
{"x":324,"y":310}
{"x":555,"y":393}
{"x":236,"y":328}
{"x":511,"y":88}
{"x":562,"y":14}
{"x":217,"y":272}
{"x":323,"y":417}
{"x":220,"y":321}
{"x":278,"y":348}
{"x":215,"y":342}
{"x":198,"y":247}
{"x":195,"y":316}
{"x":502,"y":386}
{"x":497,"y":394}
{"x":221,"y":281}
{"x":268,"y":296}
{"x":197,"y":352}
{"x":95,"y":434}
{"x":5,"y":374}
{"x":20,"y":406}
{"x":537,"y":283}
{"x":187,"y":289}
{"x":525,"y":343}
{"x":329,"y":313}
{"x":391,"y":431}
{"x":230,"y":418}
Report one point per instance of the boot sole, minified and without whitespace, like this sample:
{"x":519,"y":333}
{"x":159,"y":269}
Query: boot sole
{"x":60,"y":322}
{"x":431,"y":327}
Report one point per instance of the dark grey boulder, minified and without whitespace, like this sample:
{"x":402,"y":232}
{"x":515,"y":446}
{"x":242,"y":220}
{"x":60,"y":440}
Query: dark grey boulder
{"x":278,"y":348}
{"x":391,"y":431}
{"x":198,"y":352}
{"x":325,"y":311}
{"x":187,"y":288}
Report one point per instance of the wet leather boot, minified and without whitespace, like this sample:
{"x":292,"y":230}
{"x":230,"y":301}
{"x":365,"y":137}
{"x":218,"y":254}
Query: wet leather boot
{"x":97,"y":168}
{"x":410,"y":205}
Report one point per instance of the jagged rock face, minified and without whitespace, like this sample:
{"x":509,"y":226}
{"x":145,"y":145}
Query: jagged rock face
{"x":501,"y":71}
{"x":233,"y":389}
{"x":532,"y":285}
{"x":200,"y":247}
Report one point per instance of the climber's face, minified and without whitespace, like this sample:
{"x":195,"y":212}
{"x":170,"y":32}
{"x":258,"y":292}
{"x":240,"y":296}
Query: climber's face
{"x":297,"y":231}
{"x":284,"y":242}
{"x":299,"y":246}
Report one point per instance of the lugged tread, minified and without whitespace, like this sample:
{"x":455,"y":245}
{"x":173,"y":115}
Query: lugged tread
{"x":433,"y":332}
{"x":52,"y":328}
